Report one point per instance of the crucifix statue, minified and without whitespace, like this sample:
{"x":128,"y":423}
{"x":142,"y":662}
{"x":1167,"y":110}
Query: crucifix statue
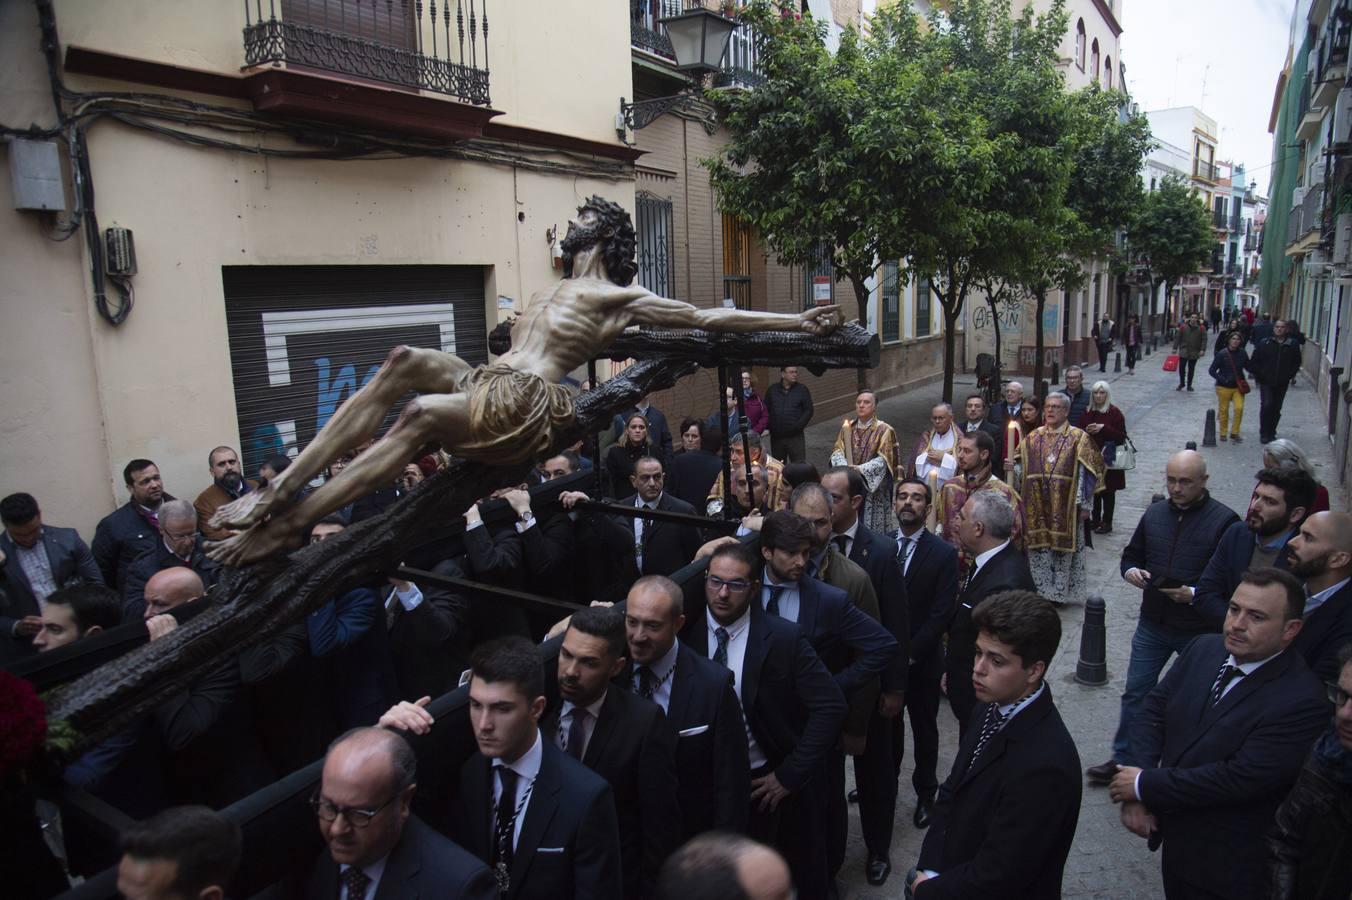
{"x":504,"y":413}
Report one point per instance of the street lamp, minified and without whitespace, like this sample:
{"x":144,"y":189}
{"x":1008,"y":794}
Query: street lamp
{"x":699,"y":37}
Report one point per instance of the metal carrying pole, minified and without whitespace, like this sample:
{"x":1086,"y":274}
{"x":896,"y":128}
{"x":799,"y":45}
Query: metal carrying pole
{"x":743,"y":425}
{"x":727,"y":443}
{"x":595,"y":436}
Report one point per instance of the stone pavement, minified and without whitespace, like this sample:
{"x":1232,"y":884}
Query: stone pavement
{"x":1106,"y":861}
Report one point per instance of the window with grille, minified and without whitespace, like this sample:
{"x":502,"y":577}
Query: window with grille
{"x":923,"y":307}
{"x":656,"y":266}
{"x":819,"y":278}
{"x":737,"y":261}
{"x":891,"y":302}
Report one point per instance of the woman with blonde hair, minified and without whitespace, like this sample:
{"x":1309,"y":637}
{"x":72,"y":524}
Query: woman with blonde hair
{"x":1105,"y":425}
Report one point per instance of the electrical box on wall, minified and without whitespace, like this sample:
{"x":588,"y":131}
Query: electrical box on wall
{"x":35,"y":173}
{"x":120,"y":255}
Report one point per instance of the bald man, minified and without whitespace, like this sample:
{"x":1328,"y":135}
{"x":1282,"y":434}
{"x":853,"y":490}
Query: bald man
{"x":721,"y":864}
{"x":165,"y":590}
{"x":376,"y":846}
{"x":1321,"y":555}
{"x":1165,"y":558}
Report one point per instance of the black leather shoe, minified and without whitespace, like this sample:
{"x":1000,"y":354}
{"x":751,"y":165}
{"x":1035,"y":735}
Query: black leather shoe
{"x":878,"y":869}
{"x":1103,"y":774}
{"x":853,"y":795}
{"x":923,"y":808}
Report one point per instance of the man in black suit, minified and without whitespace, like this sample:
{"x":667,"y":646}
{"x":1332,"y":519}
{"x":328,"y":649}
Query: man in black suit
{"x":693,"y":472}
{"x":1217,"y":744}
{"x":930,"y":568}
{"x":375,"y":844}
{"x":792,"y":706}
{"x":877,"y":556}
{"x":985,"y":524}
{"x":1321,"y":553}
{"x":621,"y":737}
{"x":36,"y":560}
{"x":1006,"y":815}
{"x":183,"y":851}
{"x":430,"y":633}
{"x":978,"y":420}
{"x":179,"y":545}
{"x":131,"y":529}
{"x":697,"y":695}
{"x":555,"y":835}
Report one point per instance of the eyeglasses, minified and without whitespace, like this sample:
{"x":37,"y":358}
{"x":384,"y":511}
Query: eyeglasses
{"x":1337,"y":696}
{"x":736,"y":586}
{"x":357,"y":818}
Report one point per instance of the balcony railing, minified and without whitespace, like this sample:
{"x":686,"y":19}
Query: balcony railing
{"x":1207,"y":171}
{"x":645,"y":32}
{"x":1218,"y":219}
{"x":1306,"y":91}
{"x":425,"y":44}
{"x":1236,"y":221}
{"x":1308,"y":215}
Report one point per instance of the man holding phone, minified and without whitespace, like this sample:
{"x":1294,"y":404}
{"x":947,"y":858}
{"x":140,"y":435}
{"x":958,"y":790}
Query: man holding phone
{"x":1166,"y":556}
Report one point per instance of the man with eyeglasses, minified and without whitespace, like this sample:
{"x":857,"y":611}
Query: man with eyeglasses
{"x":645,"y":546}
{"x":179,"y":546}
{"x":793,"y":710}
{"x":376,"y":846}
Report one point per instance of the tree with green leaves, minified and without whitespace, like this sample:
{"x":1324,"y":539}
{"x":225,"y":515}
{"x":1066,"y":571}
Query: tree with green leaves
{"x":1171,"y":235}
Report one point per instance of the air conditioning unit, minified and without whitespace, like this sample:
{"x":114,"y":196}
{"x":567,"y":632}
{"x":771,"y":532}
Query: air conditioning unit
{"x":1318,"y":258}
{"x":1317,"y":170}
{"x":1342,"y":239}
{"x":1297,"y":196}
{"x":1342,"y":117}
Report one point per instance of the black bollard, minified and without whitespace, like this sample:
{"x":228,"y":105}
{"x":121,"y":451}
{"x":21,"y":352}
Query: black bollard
{"x":1190,"y":445}
{"x":1209,"y":432}
{"x":1156,"y":498}
{"x":1145,"y":349}
{"x":1046,"y":389}
{"x":1117,"y":362}
{"x":1056,"y":373}
{"x":1092,"y":669}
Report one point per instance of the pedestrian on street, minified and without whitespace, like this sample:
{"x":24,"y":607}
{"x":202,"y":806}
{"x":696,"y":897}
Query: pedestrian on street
{"x":1227,"y":368}
{"x":1216,"y":318}
{"x":1107,"y":427}
{"x":1131,"y":339}
{"x":789,"y":407}
{"x":1276,"y":360}
{"x":1189,"y":344}
{"x":1103,"y":334}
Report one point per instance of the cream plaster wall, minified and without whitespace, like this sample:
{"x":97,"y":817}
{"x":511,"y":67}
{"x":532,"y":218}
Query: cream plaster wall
{"x":82,"y":397}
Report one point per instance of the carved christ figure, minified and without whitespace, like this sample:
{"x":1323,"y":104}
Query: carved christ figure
{"x":504,"y":413}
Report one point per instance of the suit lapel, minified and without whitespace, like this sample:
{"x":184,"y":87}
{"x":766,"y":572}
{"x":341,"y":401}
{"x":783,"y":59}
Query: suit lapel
{"x":544,"y":803}
{"x":13,"y":566}
{"x":995,"y":747}
{"x":808,"y":604}
{"x":403,"y":865}
{"x":753,"y":660}
{"x":1201,"y":710}
{"x":606,"y":724}
{"x":479,"y":794}
{"x":681,"y":687}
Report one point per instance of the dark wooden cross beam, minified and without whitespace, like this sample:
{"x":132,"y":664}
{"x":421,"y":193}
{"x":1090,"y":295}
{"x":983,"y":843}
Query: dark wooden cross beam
{"x":250,"y":605}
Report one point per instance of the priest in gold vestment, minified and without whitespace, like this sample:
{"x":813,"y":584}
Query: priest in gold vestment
{"x":870,"y":445}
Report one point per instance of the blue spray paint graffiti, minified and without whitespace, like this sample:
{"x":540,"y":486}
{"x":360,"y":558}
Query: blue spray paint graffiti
{"x":331,"y":393}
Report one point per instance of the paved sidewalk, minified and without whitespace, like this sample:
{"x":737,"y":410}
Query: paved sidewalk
{"x":1106,"y":861}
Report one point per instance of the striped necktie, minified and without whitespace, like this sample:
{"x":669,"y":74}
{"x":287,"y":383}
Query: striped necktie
{"x":994,"y":719}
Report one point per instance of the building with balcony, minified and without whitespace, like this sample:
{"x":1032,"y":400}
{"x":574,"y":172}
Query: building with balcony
{"x":304,"y":185}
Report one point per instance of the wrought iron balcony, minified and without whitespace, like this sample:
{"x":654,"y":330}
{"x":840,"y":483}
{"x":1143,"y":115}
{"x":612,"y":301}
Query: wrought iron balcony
{"x":644,"y":31}
{"x":1207,"y":171}
{"x":1218,"y":219}
{"x":737,"y":77}
{"x":425,"y":44}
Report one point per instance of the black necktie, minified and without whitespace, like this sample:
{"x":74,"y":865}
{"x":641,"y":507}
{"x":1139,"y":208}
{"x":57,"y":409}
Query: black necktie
{"x":908,"y":552}
{"x":577,"y":737}
{"x":647,"y":682}
{"x":505,"y":825}
{"x":842,"y":541}
{"x":772,"y":605}
{"x":991,"y":725}
{"x":1227,"y":674}
{"x":357,"y":882}
{"x":721,"y":651}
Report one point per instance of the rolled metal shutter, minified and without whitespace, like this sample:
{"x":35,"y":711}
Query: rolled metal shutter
{"x":305,"y":338}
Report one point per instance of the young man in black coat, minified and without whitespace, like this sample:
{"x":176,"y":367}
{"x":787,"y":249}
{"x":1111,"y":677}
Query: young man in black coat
{"x":1275,"y":361}
{"x":789,"y":406}
{"x":131,"y":529}
{"x":1006,"y":816}
{"x":1219,"y":742}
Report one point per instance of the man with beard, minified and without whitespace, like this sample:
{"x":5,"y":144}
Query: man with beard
{"x":975,"y":457}
{"x":1321,"y":553}
{"x":132,"y":529}
{"x":1279,"y":504}
{"x":506,"y":413}
{"x":227,"y":484}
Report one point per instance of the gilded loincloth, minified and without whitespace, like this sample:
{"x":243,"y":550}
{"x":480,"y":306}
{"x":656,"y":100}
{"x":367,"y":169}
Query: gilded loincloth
{"x":513,"y":415}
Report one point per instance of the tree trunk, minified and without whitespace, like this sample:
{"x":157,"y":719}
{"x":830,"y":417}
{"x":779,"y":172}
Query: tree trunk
{"x":861,"y":298}
{"x":994,"y":302}
{"x":952,"y":304}
{"x":1038,"y":342}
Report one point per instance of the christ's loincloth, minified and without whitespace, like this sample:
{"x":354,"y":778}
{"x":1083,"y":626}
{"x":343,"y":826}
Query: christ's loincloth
{"x":514,"y":416}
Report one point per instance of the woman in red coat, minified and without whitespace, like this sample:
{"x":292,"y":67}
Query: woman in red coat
{"x":1105,"y":424}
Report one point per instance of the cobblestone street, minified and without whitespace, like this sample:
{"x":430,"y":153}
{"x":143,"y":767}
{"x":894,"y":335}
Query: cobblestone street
{"x":1106,"y":861}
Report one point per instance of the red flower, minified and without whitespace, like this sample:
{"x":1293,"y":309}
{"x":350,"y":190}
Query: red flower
{"x":23,"y":723}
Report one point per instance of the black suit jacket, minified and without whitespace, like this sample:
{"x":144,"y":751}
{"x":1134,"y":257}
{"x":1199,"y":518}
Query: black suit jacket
{"x":156,"y":559}
{"x":991,"y":428}
{"x":1005,"y":571}
{"x":422,"y":864}
{"x":667,"y":546}
{"x":854,"y":646}
{"x":931,"y":592}
{"x":1326,"y":631}
{"x":71,"y":563}
{"x":692,"y":476}
{"x":122,"y":536}
{"x":792,"y":704}
{"x":633,"y":747}
{"x":430,"y":645}
{"x":569,"y":846}
{"x":877,"y":556}
{"x":1003,"y":825}
{"x":711,"y":747}
{"x":1215,"y":774}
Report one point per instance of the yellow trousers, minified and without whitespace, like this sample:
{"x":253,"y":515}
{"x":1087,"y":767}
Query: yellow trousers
{"x":1224,"y":397}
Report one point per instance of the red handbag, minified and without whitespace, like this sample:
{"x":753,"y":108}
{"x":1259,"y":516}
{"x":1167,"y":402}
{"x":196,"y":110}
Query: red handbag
{"x":1171,"y":363}
{"x":1241,"y":383}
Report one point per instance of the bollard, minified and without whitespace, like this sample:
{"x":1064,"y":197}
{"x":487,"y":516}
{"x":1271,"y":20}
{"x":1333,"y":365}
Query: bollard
{"x":1209,"y":431}
{"x":1156,"y":498}
{"x":1145,"y":349}
{"x":1190,"y":445}
{"x":1117,"y":362}
{"x":1046,"y":389}
{"x":1092,"y":669}
{"x":1056,"y":373}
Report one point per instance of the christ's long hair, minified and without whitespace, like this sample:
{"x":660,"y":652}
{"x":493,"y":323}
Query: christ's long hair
{"x":614,"y":231}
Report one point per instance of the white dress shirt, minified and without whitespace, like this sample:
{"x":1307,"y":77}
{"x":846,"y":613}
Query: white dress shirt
{"x":737,"y":637}
{"x":663,"y":670}
{"x":589,"y":726}
{"x":788,"y":597}
{"x":526,"y":767}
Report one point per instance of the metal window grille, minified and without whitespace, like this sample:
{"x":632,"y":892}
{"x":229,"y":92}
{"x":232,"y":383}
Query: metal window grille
{"x":817,"y":273}
{"x":891,"y":301}
{"x":737,"y":261}
{"x":656,"y":264}
{"x":924,"y":298}
{"x":645,"y":32}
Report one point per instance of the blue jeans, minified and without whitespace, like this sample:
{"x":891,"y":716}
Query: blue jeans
{"x":1151,"y":647}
